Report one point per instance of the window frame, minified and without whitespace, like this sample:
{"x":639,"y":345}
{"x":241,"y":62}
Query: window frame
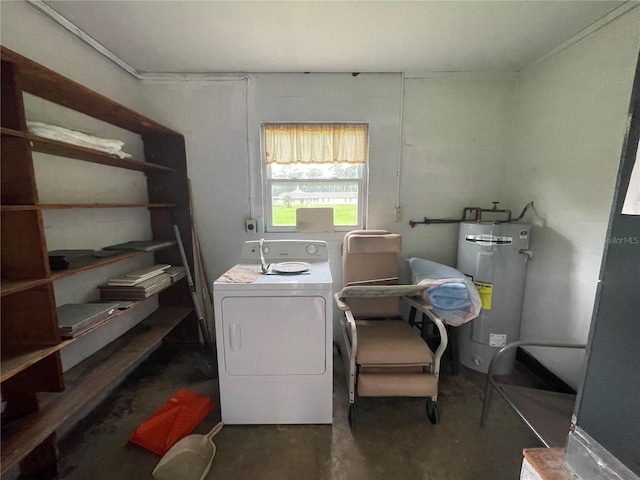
{"x":268,"y":181}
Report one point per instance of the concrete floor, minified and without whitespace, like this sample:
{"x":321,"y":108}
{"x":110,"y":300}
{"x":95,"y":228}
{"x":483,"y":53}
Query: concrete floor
{"x":393,"y":438}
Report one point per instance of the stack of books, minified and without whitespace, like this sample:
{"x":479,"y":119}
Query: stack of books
{"x":138,"y":276}
{"x":76,"y":318}
{"x":176,"y":273}
{"x":141,"y":284}
{"x":66,"y":259}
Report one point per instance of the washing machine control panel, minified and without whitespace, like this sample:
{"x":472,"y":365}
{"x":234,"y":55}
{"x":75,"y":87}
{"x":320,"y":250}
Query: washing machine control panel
{"x":284,"y":250}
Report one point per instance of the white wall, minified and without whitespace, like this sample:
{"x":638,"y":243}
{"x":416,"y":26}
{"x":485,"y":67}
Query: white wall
{"x":30,"y":33}
{"x":570,"y":118}
{"x":455,"y":130}
{"x":212,"y":117}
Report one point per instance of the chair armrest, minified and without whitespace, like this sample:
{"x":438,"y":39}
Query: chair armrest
{"x":375,"y":281}
{"x":381,"y":291}
{"x":350,"y":337}
{"x":422,"y":305}
{"x":444,"y":338}
{"x":340,"y":303}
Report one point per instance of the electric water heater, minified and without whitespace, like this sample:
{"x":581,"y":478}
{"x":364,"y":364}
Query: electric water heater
{"x":494,"y":256}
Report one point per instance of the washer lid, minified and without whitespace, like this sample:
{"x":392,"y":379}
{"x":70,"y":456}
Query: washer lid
{"x":318,"y":276}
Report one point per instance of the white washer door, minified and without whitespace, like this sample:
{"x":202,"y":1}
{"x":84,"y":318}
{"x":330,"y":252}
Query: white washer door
{"x":275,"y":335}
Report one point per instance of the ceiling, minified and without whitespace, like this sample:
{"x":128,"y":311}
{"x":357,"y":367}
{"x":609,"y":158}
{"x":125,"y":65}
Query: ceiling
{"x":330,"y":36}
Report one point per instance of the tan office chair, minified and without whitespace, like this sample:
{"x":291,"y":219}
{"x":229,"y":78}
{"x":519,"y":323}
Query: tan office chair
{"x":384,"y":355}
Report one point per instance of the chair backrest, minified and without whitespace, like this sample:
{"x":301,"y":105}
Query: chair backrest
{"x":371,"y":255}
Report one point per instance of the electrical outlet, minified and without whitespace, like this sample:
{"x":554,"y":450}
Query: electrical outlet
{"x":251,"y":226}
{"x":397,"y":214}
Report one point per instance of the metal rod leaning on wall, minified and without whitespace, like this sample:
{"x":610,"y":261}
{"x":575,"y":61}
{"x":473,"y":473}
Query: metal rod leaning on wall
{"x":196,"y":240}
{"x":208,"y":360}
{"x":203,"y":277}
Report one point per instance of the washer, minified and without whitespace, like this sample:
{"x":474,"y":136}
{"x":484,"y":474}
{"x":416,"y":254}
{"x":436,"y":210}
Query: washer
{"x":274,"y":334}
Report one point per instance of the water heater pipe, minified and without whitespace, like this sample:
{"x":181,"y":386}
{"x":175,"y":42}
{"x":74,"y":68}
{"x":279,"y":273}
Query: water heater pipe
{"x":526,"y":207}
{"x":478,"y":215}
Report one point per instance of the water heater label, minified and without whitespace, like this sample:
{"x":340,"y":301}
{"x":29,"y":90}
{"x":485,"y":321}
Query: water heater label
{"x":485,"y":240}
{"x":486,"y":291}
{"x":497,"y":339}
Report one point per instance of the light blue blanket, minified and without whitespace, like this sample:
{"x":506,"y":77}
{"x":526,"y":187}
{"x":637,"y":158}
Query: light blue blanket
{"x":449,"y":296}
{"x":454,"y":296}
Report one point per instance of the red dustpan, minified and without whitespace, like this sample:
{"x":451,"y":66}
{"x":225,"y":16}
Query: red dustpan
{"x":173,"y":421}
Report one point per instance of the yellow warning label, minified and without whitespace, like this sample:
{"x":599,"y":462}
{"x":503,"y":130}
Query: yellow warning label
{"x":485,"y":290}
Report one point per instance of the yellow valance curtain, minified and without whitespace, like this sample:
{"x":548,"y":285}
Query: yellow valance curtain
{"x":315,"y":143}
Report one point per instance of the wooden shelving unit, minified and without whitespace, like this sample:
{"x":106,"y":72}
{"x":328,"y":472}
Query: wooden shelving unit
{"x":31,"y":342}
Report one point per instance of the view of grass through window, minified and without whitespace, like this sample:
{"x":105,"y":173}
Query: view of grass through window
{"x":296,"y":186}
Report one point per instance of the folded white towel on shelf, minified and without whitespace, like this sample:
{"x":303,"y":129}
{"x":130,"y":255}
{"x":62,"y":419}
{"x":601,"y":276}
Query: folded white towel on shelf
{"x":74,"y":137}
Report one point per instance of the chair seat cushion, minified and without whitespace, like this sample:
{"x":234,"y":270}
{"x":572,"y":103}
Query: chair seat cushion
{"x":390,"y":343}
{"x":397,"y":385}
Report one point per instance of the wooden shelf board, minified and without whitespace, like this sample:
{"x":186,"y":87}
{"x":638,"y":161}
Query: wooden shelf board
{"x":7,"y":287}
{"x":17,"y":359}
{"x":45,"y":83}
{"x":54,"y":147}
{"x":63,"y":206}
{"x":59,"y":274}
{"x":95,"y":375}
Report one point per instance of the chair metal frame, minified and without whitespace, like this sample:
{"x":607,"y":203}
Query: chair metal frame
{"x":412,"y":295}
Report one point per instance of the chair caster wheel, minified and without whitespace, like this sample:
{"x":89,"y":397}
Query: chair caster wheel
{"x":433,"y":412}
{"x":352,"y":416}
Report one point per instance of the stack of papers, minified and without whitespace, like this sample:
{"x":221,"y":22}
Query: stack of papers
{"x":176,"y":273}
{"x":66,"y":259}
{"x":138,"y":276}
{"x":77,"y":318}
{"x":141,"y":284}
{"x":136,"y":292}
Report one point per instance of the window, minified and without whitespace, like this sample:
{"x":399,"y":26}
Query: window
{"x":315,"y":165}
